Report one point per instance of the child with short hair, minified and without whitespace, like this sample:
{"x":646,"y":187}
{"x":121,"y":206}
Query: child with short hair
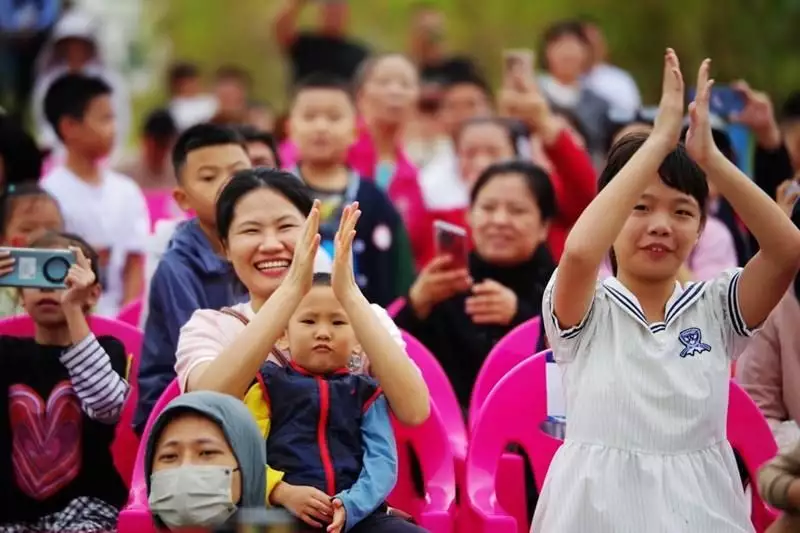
{"x":26,"y":212}
{"x":339,"y":476}
{"x":323,"y":126}
{"x":104,"y":207}
{"x":646,"y":360}
{"x":193,"y":273}
{"x":61,"y":394}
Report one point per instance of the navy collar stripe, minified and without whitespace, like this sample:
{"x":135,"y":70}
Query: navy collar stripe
{"x":685,"y":300}
{"x":733,"y":306}
{"x":627,"y":304}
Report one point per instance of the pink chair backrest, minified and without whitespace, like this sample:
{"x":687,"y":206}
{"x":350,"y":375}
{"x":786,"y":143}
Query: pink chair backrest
{"x":135,"y":517}
{"x":429,"y":441}
{"x":750,"y":435}
{"x":131,"y":313}
{"x":161,"y":205}
{"x":516,"y":346}
{"x":126,"y":442}
{"x":512,"y":413}
{"x":443,"y":397}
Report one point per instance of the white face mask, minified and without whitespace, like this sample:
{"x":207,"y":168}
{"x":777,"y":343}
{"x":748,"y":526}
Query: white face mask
{"x":192,"y":496}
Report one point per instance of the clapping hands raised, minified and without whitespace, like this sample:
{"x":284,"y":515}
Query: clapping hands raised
{"x":343,"y":280}
{"x":301,"y":271}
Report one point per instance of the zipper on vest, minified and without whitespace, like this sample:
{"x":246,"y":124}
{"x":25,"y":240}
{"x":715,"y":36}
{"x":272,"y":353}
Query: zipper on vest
{"x":322,"y":436}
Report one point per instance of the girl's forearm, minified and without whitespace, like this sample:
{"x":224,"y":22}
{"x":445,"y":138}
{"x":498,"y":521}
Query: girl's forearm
{"x":399,"y":378}
{"x":777,"y":236}
{"x":596,"y":229}
{"x":234,"y":369}
{"x":77,"y":324}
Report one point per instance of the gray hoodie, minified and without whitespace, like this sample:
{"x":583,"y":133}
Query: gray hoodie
{"x":240,"y":430}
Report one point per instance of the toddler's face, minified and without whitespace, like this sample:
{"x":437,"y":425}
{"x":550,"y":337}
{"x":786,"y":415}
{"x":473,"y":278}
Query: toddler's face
{"x":31,"y":217}
{"x":322,"y":125}
{"x":321,"y":339}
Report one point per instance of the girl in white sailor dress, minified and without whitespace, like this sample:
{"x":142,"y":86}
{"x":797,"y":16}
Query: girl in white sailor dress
{"x":645,"y":360}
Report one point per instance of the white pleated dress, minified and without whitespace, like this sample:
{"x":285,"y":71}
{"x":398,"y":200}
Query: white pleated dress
{"x":646,"y":448}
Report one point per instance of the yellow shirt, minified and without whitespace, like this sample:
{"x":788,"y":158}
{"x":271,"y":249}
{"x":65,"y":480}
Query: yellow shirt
{"x":254,"y":400}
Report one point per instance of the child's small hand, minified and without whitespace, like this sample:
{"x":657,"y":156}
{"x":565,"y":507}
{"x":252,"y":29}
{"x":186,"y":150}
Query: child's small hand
{"x":343,"y":280}
{"x":339,"y":517}
{"x":6,"y":263}
{"x":79,"y":281}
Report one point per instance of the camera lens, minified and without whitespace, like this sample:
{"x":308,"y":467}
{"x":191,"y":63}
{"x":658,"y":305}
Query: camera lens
{"x":55,"y":269}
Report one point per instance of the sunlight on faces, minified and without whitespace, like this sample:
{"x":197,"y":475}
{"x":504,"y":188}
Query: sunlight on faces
{"x":94,"y":134}
{"x":192,"y":439}
{"x":390,"y":91}
{"x":261,"y":155}
{"x":31,"y":217}
{"x":206,"y":170}
{"x":322,"y":124}
{"x":659,"y":234}
{"x":480,"y":145}
{"x":461,"y":103}
{"x":320,"y":337}
{"x":260,"y":244}
{"x":506,"y":221}
{"x":567,"y":58}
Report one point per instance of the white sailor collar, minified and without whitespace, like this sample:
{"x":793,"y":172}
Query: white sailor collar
{"x":683,"y":297}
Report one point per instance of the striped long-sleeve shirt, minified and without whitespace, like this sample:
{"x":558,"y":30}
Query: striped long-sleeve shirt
{"x":101,"y":390}
{"x":776,"y":476}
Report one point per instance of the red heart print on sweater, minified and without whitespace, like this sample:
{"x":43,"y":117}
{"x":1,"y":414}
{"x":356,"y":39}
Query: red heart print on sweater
{"x":46,"y":439}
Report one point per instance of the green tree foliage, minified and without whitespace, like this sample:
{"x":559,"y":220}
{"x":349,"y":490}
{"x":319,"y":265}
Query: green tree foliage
{"x":758,"y":40}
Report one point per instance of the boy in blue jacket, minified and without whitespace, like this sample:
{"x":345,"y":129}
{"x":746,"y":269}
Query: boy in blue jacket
{"x":192,"y":274}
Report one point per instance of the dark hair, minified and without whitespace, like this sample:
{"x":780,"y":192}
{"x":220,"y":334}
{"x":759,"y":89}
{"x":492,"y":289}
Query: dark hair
{"x":678,"y":171}
{"x":246,"y":181}
{"x":535,"y":178}
{"x":467,"y":77}
{"x":70,"y":96}
{"x":181,"y":71}
{"x":160,"y":126}
{"x":233,"y":73}
{"x":321,"y":279}
{"x":511,"y":128}
{"x":790,"y":111}
{"x":201,"y":136}
{"x":254,"y":135}
{"x":324,"y":81}
{"x":53,"y":239}
{"x":15,"y":192}
{"x":21,"y":157}
{"x":559,"y":30}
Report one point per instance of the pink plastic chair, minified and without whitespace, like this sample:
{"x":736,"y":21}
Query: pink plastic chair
{"x":513,"y":412}
{"x":161,"y":205}
{"x":518,"y":345}
{"x":396,"y":306}
{"x":443,"y":397}
{"x":125,"y":442}
{"x":522,"y":395}
{"x":436,"y":509}
{"x":131,"y":313}
{"x":135,"y":517}
{"x":751,"y":437}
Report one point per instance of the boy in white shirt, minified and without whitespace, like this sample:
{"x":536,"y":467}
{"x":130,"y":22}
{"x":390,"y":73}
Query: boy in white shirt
{"x":107,"y":209}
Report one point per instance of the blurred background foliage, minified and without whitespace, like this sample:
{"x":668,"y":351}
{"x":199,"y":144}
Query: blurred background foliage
{"x":758,"y":40}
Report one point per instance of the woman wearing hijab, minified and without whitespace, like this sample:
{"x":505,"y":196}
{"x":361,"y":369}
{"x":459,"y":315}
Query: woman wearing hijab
{"x":208,"y":442}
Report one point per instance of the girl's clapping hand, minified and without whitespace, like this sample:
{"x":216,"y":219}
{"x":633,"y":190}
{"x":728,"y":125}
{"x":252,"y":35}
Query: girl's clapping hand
{"x":669,"y":122}
{"x":699,"y":141}
{"x":79,"y":281}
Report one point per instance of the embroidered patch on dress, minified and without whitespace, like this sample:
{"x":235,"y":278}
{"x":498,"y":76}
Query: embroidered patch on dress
{"x":692,"y":340}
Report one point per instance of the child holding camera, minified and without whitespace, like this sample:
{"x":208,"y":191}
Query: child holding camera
{"x":61,"y":394}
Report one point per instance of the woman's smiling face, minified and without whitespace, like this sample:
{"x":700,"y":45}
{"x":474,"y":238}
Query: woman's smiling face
{"x":261,"y":240}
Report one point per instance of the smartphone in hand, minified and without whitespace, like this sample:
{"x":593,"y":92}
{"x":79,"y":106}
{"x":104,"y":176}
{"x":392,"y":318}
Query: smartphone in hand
{"x":518,"y":65}
{"x":38,"y":268}
{"x":453,"y":241}
{"x":724,"y":102}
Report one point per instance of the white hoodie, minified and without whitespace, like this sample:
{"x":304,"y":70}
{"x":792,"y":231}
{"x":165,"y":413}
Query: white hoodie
{"x":77,"y":24}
